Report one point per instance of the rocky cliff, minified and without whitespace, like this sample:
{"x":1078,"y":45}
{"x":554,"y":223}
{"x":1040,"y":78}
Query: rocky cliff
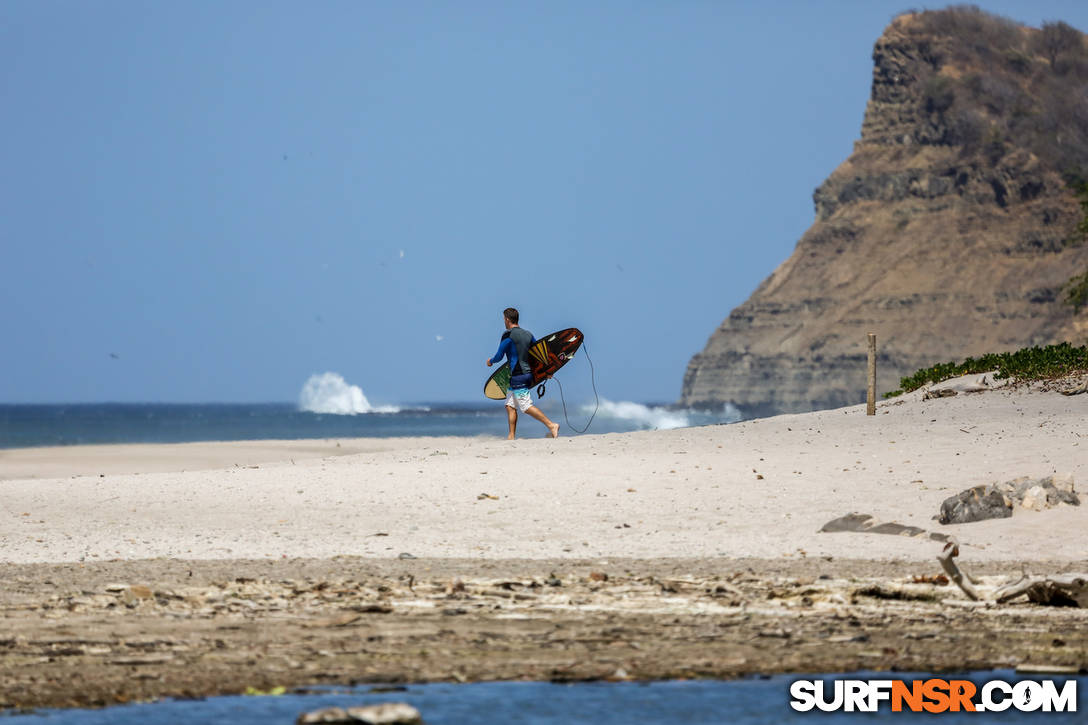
{"x":950,"y":231}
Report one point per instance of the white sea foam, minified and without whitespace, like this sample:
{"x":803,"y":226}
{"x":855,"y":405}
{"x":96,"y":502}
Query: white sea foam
{"x":330,"y":393}
{"x":660,"y":418}
{"x":643,"y":415}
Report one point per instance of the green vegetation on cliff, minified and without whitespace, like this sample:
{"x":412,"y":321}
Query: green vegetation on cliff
{"x":1076,"y":289}
{"x":1021,"y":89}
{"x":1016,"y":89}
{"x":1029,"y":363}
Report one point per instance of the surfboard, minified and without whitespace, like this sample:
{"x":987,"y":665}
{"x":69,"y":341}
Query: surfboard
{"x":546,"y":356}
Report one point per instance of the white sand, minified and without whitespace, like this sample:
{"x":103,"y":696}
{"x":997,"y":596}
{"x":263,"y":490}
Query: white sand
{"x":688,"y":492}
{"x":95,"y":460}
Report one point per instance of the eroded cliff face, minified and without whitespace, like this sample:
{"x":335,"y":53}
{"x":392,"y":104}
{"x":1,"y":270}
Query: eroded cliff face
{"x":943,"y":251}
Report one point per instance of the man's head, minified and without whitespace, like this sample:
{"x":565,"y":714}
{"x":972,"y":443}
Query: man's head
{"x":510,"y":317}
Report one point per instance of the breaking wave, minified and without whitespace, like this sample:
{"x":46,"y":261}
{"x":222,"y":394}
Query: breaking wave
{"x":330,"y":393}
{"x":646,"y":417}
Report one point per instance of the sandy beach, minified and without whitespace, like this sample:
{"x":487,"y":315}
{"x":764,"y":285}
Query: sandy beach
{"x":762,"y":488}
{"x":133,"y":572}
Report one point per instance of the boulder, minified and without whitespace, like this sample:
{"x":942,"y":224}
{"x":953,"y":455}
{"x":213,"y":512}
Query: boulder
{"x":1034,"y":498}
{"x":975,"y":504}
{"x":1051,"y":491}
{"x":1061,"y":481}
{"x":996,"y":501}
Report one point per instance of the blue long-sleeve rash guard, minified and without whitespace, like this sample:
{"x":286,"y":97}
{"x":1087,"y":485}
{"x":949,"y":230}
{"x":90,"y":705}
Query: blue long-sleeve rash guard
{"x":510,"y":350}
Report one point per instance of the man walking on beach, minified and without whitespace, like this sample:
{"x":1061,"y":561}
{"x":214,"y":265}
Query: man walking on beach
{"x":514,"y":345}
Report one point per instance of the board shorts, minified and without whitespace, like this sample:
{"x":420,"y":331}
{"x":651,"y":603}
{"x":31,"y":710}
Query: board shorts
{"x":519,"y":396}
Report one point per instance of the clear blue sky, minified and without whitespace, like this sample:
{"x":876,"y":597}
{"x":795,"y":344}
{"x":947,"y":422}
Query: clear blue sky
{"x":211,"y":201}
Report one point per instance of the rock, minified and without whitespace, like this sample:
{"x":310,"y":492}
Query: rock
{"x":1063,"y":497}
{"x":1061,"y":481}
{"x":1017,"y":487}
{"x":329,"y":714}
{"x":997,"y":501}
{"x":1047,"y":495}
{"x":975,"y":504}
{"x":1034,"y":498}
{"x":387,"y":713}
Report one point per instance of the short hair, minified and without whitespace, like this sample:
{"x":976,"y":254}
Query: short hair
{"x":511,"y":313}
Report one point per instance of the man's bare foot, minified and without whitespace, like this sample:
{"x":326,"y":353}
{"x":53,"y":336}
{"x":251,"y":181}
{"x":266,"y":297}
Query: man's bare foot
{"x":554,"y":429}
{"x":510,"y":437}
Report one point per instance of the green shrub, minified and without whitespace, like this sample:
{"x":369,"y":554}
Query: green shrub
{"x":1023,"y":89}
{"x":1019,"y":61}
{"x":1029,"y":363}
{"x":938,"y":94}
{"x":1076,"y":292}
{"x":1082,"y":196}
{"x":1057,"y":39}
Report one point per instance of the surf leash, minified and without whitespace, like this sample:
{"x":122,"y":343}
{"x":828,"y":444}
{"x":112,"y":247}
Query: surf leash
{"x":593,"y":379}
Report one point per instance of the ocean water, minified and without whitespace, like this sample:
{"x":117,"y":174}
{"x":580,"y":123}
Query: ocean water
{"x":750,"y":701}
{"x":23,"y":426}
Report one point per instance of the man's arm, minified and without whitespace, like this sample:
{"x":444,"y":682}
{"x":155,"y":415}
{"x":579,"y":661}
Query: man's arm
{"x":504,"y":350}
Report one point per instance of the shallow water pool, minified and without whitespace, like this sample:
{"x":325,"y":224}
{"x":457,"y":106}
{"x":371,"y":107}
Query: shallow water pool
{"x":747,"y":701}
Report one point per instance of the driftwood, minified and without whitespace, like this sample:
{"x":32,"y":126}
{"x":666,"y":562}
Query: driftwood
{"x":1063,"y":590}
{"x":866,"y":524}
{"x":964,"y":581}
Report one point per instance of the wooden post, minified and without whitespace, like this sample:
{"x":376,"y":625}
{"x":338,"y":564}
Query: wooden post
{"x":870,"y":400}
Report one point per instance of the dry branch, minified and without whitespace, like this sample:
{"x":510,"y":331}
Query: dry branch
{"x":1063,"y":590}
{"x":947,"y":557}
{"x":1066,"y":590}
